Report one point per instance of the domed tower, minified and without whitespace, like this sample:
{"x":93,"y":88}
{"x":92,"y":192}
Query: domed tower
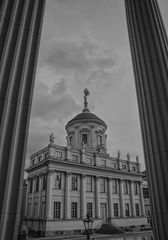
{"x":86,"y":130}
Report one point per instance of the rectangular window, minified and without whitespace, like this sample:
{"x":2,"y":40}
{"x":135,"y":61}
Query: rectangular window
{"x":74,"y":158}
{"x":99,"y":140}
{"x":114,"y":165}
{"x":135,"y":188}
{"x":44,"y":181}
{"x":58,"y":179}
{"x":74,"y":182}
{"x":133,"y":169}
{"x":43,"y":210}
{"x":137,"y":209}
{"x":126,"y":187}
{"x":89,"y":183}
{"x":58,"y":154}
{"x":35,"y":210}
{"x":102,"y":185}
{"x":84,"y":138}
{"x":103,"y":163}
{"x":37,"y":183}
{"x":33,"y":161}
{"x":31,"y":185}
{"x":89,"y":161}
{"x":74,"y":210}
{"x":89,"y":209}
{"x":115,"y":186}
{"x":39,"y":158}
{"x":57,"y":210}
{"x":145,"y":192}
{"x":124,"y":167}
{"x":46,"y":155}
{"x":115,"y":207}
{"x":29,"y":210}
{"x":127,"y":212}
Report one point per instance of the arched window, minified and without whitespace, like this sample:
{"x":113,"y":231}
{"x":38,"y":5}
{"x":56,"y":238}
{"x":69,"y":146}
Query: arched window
{"x":99,"y":140}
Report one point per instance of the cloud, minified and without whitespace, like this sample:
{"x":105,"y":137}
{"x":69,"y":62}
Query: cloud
{"x":82,"y":56}
{"x":53,"y":104}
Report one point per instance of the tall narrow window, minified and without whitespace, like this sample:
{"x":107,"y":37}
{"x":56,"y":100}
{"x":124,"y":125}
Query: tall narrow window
{"x":135,"y":188}
{"x":37,"y":183}
{"x":43,"y":210}
{"x":127,"y":212}
{"x":89,"y":209}
{"x":35,"y":210}
{"x":74,"y":212}
{"x":31,"y":185}
{"x":58,"y":179}
{"x":84,"y":138}
{"x":137,"y":209}
{"x":89,"y":183}
{"x":115,"y":207}
{"x":74,"y":182}
{"x":126,"y":187}
{"x":44,"y":181}
{"x":57,"y":210}
{"x":102,"y":185}
{"x":115,"y":186}
{"x":99,"y":140}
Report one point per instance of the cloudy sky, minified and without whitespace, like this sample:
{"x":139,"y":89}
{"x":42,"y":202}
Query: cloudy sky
{"x":84,"y":44}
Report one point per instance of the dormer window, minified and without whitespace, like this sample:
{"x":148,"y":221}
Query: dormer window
{"x":99,"y":140}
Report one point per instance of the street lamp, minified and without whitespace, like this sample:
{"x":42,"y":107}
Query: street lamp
{"x":88,"y":223}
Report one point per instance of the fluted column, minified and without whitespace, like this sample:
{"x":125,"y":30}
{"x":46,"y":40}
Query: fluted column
{"x":67,"y":199}
{"x":132,"y":198}
{"x":141,"y":199}
{"x":97,"y":204}
{"x":49,"y":195}
{"x":149,"y":48}
{"x":110,"y":202}
{"x":83,"y":200}
{"x":20,"y":27}
{"x":122,"y":214}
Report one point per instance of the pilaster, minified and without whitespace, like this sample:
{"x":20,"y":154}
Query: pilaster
{"x":121,"y":193}
{"x":97,"y":204}
{"x":67,"y":199}
{"x":132,"y":198}
{"x":110,"y":199}
{"x":49,"y":195}
{"x":83,"y":198}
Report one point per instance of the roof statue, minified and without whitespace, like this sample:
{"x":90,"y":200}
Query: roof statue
{"x":51,"y":138}
{"x":86,"y":93}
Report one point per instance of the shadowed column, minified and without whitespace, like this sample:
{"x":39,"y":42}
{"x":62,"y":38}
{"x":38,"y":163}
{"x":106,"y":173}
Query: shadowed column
{"x":149,"y":48}
{"x":20,"y":28}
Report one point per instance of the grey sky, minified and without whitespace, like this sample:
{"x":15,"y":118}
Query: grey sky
{"x":85,"y":44}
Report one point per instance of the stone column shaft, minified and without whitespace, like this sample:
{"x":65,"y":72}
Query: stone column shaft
{"x":49,"y":195}
{"x":32,"y":199}
{"x":149,"y":48}
{"x":20,"y":29}
{"x":111,"y":214}
{"x":83,"y":200}
{"x":67,"y":199}
{"x":97,"y":205}
{"x":122,"y":213}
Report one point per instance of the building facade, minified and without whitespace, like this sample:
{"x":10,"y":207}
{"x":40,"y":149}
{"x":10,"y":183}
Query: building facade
{"x":65,"y":183}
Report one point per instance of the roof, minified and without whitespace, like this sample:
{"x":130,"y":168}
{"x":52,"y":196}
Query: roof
{"x":85,"y":117}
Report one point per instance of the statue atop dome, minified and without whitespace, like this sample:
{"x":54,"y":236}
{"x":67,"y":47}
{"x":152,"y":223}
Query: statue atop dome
{"x":86,"y":93}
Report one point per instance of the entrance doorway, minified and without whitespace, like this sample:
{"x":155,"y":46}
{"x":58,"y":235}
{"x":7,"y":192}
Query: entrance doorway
{"x":103,"y":210}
